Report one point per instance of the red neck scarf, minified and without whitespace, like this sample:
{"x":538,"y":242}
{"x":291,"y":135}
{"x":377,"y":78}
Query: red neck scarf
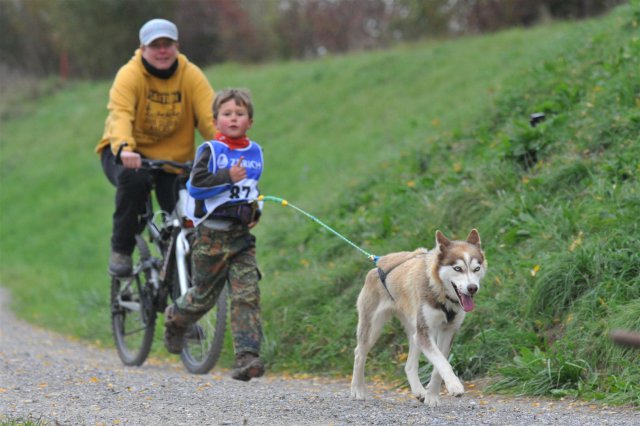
{"x":233,"y":143}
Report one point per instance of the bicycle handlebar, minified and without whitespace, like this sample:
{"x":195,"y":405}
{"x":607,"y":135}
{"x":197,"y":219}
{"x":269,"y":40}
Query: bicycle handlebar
{"x":155,"y":164}
{"x":158,"y":164}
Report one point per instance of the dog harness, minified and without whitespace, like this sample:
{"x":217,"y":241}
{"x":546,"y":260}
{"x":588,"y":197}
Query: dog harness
{"x":383,"y":275}
{"x":383,"y":278}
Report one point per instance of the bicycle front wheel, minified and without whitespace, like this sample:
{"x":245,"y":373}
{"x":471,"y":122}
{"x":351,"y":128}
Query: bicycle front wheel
{"x":205,"y":339}
{"x":133,"y":317}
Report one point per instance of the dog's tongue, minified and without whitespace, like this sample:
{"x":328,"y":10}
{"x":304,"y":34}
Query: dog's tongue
{"x":467,"y":302}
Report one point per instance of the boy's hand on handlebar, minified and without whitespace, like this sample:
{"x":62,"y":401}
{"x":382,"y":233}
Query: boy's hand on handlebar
{"x":131,"y":160}
{"x":237,"y":172}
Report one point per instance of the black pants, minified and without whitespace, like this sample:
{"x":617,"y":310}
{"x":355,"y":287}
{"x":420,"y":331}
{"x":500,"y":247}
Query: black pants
{"x":132,"y":190}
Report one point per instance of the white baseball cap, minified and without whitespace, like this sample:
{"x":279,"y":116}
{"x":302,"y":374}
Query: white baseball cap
{"x":158,"y":28}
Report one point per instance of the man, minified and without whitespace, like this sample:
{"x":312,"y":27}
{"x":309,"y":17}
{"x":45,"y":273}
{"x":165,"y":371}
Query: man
{"x":155,"y":104}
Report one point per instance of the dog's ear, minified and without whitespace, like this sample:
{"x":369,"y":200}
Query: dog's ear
{"x":474,"y":237}
{"x":441,"y":241}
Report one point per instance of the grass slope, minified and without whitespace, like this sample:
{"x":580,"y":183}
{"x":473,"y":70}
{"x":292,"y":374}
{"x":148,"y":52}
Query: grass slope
{"x":387,"y":147}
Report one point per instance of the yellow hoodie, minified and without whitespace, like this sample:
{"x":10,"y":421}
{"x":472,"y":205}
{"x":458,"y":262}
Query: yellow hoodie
{"x":157,"y":118}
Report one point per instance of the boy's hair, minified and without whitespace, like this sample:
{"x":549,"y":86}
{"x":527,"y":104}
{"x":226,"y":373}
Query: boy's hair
{"x":241,"y":96}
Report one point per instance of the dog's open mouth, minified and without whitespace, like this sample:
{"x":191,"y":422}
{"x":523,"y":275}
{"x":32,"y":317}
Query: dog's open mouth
{"x":465,"y":301}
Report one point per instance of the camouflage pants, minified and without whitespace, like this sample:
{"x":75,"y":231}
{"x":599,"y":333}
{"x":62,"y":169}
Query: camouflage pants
{"x":218,"y":258}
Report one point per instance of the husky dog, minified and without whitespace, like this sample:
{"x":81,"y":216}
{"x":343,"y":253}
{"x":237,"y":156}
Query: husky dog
{"x":429,"y":292}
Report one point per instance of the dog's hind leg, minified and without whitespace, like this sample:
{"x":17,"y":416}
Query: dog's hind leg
{"x":371,"y":319}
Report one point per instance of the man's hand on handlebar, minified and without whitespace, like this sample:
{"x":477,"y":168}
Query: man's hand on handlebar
{"x":131,"y":160}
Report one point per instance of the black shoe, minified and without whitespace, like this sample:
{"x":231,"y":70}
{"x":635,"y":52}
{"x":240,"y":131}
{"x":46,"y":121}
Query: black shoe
{"x":174,"y":339}
{"x":248,"y":366}
{"x":120,"y":265}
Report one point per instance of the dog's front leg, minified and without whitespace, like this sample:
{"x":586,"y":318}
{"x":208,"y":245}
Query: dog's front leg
{"x":441,"y":366}
{"x":443,"y":342}
{"x":441,"y":370}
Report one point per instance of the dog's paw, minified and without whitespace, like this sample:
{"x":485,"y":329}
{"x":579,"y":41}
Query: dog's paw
{"x":427,"y":398}
{"x":357,"y":394}
{"x":431,"y":400}
{"x":455,"y":388}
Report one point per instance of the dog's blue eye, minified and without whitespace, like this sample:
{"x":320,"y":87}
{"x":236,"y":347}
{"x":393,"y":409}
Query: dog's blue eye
{"x":477,"y":269}
{"x":457,"y":269}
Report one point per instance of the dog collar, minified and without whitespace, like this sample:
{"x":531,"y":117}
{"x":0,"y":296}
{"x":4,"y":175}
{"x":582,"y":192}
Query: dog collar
{"x":448,"y":312}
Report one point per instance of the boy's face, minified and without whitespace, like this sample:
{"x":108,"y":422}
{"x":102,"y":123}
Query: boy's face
{"x":233,"y":119}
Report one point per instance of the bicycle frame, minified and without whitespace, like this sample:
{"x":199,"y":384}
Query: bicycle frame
{"x":175,"y":246}
{"x":183,"y":248}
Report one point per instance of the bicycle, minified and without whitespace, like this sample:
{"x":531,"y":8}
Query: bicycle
{"x":160,"y":272}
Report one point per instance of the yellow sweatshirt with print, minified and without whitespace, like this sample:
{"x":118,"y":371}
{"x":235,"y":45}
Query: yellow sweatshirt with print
{"x":157,"y":118}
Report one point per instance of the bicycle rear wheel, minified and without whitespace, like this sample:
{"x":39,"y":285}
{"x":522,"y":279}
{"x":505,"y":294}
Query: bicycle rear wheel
{"x":133,"y":316}
{"x":205,"y":339}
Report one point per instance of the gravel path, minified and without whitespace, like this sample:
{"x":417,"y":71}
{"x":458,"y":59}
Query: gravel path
{"x":49,"y":378}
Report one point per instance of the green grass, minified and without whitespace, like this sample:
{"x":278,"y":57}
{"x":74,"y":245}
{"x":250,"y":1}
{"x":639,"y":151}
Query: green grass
{"x":23,"y":422}
{"x":386,"y":147}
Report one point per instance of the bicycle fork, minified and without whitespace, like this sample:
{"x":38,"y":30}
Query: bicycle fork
{"x":182,"y":252}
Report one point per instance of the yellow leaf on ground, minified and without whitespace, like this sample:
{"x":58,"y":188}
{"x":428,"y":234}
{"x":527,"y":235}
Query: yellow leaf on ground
{"x":535,"y":270}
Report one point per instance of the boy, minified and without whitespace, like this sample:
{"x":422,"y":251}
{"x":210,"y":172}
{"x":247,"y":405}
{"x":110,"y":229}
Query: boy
{"x":222,"y":185}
